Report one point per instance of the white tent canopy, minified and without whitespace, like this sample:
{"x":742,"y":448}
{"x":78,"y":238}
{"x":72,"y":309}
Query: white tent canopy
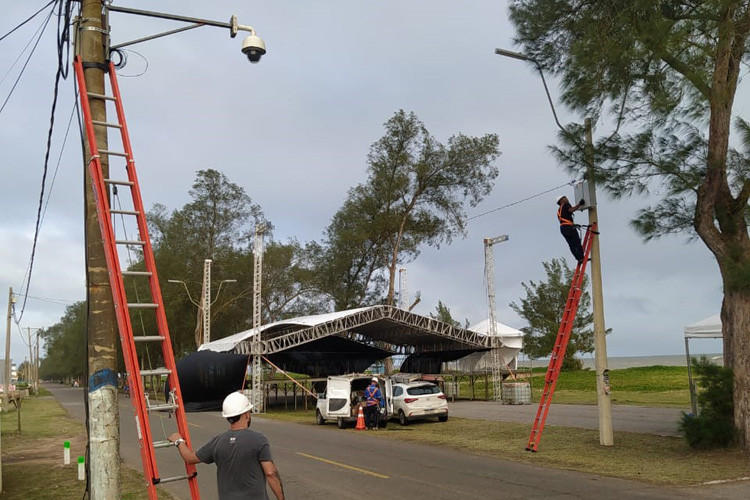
{"x":707,"y":328}
{"x":511,"y":342}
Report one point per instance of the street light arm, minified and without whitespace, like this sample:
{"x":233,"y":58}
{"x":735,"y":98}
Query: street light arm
{"x":219,"y":290}
{"x":524,"y":57}
{"x":186,"y":291}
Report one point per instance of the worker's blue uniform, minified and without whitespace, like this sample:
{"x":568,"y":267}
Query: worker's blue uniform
{"x":373,"y":397}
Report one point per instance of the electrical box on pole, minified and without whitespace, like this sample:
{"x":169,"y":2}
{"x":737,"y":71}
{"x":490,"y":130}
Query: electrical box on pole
{"x":582,"y":191}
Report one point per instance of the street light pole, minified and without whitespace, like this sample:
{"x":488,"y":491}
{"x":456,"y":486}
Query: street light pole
{"x":600,"y":342}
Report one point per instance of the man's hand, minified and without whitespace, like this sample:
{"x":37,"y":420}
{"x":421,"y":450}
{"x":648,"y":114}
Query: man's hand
{"x":174,"y":437}
{"x":582,"y":202}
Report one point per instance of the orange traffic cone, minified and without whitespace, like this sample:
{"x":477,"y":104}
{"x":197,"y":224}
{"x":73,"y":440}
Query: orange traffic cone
{"x":360,"y":420}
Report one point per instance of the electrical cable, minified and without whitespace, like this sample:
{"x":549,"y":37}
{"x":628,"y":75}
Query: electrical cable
{"x":31,"y":40}
{"x":59,"y":160}
{"x":27,"y":20}
{"x":63,"y":30}
{"x":33,"y":49}
{"x":570,"y":183}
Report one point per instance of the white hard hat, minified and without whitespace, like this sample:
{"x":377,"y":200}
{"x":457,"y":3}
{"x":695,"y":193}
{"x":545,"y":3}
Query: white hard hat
{"x":374,"y":379}
{"x":235,"y":404}
{"x":557,"y":200}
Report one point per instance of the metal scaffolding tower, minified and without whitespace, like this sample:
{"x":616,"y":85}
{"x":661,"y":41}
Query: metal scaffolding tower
{"x":256,"y":348}
{"x":489,"y":270}
{"x":403,"y":290}
{"x":206,"y":301}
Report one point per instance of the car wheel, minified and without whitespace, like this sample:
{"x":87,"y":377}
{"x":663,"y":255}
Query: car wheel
{"x":319,"y":418}
{"x":443,"y":418}
{"x":402,"y":418}
{"x":341,"y":423}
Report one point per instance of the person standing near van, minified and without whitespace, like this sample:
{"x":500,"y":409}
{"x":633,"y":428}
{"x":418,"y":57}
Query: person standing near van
{"x":373,"y":397}
{"x":242,"y":456}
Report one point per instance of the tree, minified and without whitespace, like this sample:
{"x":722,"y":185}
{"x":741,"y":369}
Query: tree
{"x":65,"y":345}
{"x":443,"y":314}
{"x":666,"y":70}
{"x":414,"y":194}
{"x":543,"y":310}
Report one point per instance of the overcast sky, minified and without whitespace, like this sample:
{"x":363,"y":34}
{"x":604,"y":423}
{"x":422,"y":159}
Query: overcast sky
{"x":295,"y":130}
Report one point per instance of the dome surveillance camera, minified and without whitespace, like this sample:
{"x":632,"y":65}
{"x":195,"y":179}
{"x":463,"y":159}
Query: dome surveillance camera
{"x":253,"y":47}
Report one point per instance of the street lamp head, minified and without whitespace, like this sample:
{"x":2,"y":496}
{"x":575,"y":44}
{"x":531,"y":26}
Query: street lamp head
{"x":514,"y":55}
{"x":253,"y":47}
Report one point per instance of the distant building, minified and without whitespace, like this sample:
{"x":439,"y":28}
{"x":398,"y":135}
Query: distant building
{"x":13,"y":373}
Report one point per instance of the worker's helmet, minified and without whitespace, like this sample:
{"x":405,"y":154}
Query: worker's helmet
{"x":374,"y":379}
{"x":559,"y":198}
{"x":235,"y":404}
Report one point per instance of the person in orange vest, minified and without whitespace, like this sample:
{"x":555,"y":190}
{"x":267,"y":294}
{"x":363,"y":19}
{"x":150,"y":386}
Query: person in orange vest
{"x":567,"y":227}
{"x":372,"y":404}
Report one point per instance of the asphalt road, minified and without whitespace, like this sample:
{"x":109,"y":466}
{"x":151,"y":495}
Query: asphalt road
{"x":321,"y":462}
{"x":641,"y":419}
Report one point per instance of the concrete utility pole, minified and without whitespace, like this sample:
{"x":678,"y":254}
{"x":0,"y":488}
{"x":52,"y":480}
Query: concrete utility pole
{"x":36,"y":364}
{"x":92,"y":43}
{"x":11,"y":301}
{"x":600,"y":341}
{"x":604,"y":403}
{"x":29,"y":368}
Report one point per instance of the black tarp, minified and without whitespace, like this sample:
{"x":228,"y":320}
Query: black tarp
{"x":331,"y":355}
{"x":431,"y":362}
{"x":207,"y":377}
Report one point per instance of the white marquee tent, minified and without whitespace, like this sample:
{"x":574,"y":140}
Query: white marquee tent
{"x":707,"y":328}
{"x":511,"y":342}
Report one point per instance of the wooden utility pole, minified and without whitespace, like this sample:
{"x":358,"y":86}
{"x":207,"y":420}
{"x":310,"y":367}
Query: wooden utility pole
{"x":104,"y":436}
{"x":6,"y":400}
{"x":600,"y":342}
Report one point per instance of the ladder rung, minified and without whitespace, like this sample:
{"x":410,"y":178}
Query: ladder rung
{"x":101,"y":96}
{"x":125,"y":212}
{"x":106,"y":124}
{"x":136,"y":273}
{"x":175,"y":478}
{"x":163,"y":444}
{"x":119,"y":183}
{"x":148,"y":338}
{"x":156,"y":371}
{"x":163,"y":407}
{"x":130,"y":242}
{"x":113,"y":153}
{"x":142,"y":305}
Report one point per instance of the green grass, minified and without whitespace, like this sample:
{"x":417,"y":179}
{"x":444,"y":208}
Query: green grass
{"x":32,"y":460}
{"x":649,"y":458}
{"x":643,"y":386}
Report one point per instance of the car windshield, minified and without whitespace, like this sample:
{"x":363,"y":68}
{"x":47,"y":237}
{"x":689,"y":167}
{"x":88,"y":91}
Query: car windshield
{"x":421,"y":390}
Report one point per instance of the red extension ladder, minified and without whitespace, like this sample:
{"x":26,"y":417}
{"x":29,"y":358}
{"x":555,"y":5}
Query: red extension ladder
{"x":139,"y":398}
{"x":561,"y":342}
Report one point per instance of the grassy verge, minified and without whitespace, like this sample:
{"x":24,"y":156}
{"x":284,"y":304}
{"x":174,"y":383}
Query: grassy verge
{"x":648,"y":458}
{"x":32,"y":460}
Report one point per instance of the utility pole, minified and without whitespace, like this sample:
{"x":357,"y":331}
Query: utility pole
{"x":36,"y":364}
{"x":92,"y":43}
{"x":489,"y":269}
{"x":604,"y":403}
{"x":31,"y":358}
{"x":11,"y":301}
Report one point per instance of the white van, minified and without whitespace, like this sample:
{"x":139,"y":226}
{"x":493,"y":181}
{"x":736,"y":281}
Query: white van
{"x":343,"y":396}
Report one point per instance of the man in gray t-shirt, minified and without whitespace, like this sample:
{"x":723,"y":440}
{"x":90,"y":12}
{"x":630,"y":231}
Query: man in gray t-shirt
{"x":243,"y":457}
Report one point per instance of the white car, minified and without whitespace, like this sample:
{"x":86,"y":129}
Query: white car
{"x":416,"y":400}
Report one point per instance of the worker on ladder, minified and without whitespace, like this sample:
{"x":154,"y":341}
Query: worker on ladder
{"x":567,"y":228}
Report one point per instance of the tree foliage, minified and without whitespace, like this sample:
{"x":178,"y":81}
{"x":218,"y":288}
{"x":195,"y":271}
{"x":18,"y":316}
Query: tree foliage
{"x":414,"y":195}
{"x":443,"y":314}
{"x":543,"y":309}
{"x":667,"y":74}
{"x":65,"y":345}
{"x":713,"y":425}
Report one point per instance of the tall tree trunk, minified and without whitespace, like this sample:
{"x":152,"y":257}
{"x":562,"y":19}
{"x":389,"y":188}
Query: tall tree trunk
{"x":735,"y":319}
